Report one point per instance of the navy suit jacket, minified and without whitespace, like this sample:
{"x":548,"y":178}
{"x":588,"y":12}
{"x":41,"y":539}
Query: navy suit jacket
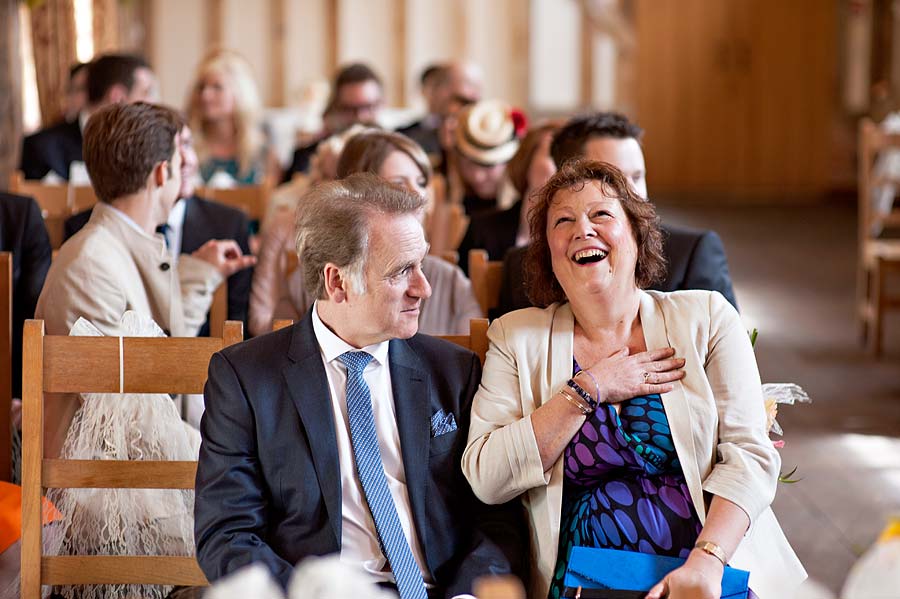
{"x":268,"y":487}
{"x":22,"y":232}
{"x":494,"y":231}
{"x":695,"y":259}
{"x":51,"y":149}
{"x":205,"y":220}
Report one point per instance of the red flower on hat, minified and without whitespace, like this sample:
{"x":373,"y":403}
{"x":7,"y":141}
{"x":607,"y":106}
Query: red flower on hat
{"x":520,"y":122}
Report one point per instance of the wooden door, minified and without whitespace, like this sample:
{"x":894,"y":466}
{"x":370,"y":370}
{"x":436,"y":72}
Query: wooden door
{"x":736,"y":97}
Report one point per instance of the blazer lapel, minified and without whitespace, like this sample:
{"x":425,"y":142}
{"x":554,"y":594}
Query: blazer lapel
{"x":677,"y":410}
{"x":307,"y":385}
{"x":413,"y":410}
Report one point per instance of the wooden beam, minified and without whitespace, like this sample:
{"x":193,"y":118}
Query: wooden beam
{"x":587,"y":57}
{"x":10,"y":90}
{"x":215,"y":23}
{"x":120,"y":569}
{"x":332,"y":36}
{"x":118,"y":474}
{"x":520,"y":22}
{"x":277,"y":74}
{"x":400,"y":46}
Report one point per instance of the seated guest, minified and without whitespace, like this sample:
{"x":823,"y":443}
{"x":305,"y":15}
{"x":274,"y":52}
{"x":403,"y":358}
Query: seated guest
{"x":192,"y":222}
{"x":694,"y":259}
{"x":485,"y":139}
{"x":76,"y":92}
{"x":400,"y":160}
{"x":527,"y":171}
{"x":22,"y":232}
{"x":225,"y":112}
{"x":111,"y":79}
{"x":447,"y":89}
{"x":609,"y":438}
{"x":357,"y":400}
{"x":356,"y":98}
{"x":274,"y":293}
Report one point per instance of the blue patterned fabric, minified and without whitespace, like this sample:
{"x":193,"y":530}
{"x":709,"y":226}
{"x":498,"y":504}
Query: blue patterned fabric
{"x":370,"y":469}
{"x":624,"y":487}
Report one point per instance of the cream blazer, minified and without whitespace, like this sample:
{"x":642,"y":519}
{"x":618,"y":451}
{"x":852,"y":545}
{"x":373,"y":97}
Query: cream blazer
{"x":715,"y":413}
{"x":109,"y":267}
{"x":105,"y":269}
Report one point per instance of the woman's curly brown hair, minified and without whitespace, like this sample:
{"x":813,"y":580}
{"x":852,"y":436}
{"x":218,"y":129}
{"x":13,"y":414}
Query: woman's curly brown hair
{"x":540,"y":282}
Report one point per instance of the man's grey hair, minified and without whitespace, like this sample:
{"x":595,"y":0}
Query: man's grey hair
{"x":333,"y":221}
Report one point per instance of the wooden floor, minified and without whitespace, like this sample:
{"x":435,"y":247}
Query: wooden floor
{"x":793,"y":271}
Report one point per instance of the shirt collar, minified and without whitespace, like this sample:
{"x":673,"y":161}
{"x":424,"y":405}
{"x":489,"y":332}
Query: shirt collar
{"x":176,"y":216}
{"x":128,"y":220}
{"x":333,"y":346}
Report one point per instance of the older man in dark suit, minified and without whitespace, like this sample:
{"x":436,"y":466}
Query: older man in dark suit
{"x":695,"y":259}
{"x":22,"y":232}
{"x":112,"y":78}
{"x":194,"y":221}
{"x":344,"y":433}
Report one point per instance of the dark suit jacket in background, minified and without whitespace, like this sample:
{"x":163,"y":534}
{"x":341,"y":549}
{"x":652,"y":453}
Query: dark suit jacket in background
{"x":493,"y":231}
{"x":695,"y":260}
{"x":268,"y":487}
{"x":22,"y":232}
{"x":425,"y":136}
{"x":300,"y":161}
{"x":51,"y":149}
{"x":205,"y":220}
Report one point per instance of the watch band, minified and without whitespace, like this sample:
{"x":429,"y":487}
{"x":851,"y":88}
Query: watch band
{"x":712,"y":549}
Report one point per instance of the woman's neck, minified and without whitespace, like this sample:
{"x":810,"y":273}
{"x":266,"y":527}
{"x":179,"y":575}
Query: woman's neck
{"x":600,"y":317}
{"x":220,"y":131}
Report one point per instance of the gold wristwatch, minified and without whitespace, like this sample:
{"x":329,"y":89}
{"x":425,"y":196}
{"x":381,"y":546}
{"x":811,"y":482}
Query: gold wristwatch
{"x":712,"y":549}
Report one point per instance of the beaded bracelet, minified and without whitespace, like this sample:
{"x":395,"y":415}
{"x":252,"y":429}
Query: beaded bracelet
{"x":594,"y":379}
{"x":582,"y":393}
{"x":574,"y":401}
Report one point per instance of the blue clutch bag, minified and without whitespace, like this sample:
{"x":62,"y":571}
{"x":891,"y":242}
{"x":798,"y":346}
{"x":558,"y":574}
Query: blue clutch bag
{"x":592,"y":568}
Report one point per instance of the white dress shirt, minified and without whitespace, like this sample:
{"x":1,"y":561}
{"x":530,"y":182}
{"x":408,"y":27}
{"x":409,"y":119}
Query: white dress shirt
{"x":359,"y":538}
{"x":176,"y":226}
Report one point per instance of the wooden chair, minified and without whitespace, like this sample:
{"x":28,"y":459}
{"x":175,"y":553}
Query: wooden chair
{"x":486,"y":276}
{"x":82,"y":198}
{"x":450,"y":256}
{"x":218,"y":310}
{"x":251,"y":199}
{"x":6,"y":335}
{"x":63,"y":364}
{"x":476,"y":340}
{"x":53,"y":201}
{"x":877,"y":255}
{"x":280,"y":323}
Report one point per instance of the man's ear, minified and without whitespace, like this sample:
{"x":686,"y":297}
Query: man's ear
{"x":335,"y":284}
{"x":117,"y":94}
{"x":160,"y":173}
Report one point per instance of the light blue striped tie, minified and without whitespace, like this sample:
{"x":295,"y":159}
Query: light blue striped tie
{"x":374,"y":482}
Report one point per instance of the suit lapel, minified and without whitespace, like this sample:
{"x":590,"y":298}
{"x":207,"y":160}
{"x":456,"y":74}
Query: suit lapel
{"x":307,"y":385}
{"x":675,"y":403}
{"x":413,"y":410}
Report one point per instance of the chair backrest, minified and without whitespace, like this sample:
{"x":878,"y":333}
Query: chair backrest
{"x":6,"y":335}
{"x":486,"y":276}
{"x":872,"y":141}
{"x":280,"y":323}
{"x":218,"y":310}
{"x":251,"y":199}
{"x":62,"y":364}
{"x":476,"y":340}
{"x":291,"y":261}
{"x":53,"y":200}
{"x":83,"y":197}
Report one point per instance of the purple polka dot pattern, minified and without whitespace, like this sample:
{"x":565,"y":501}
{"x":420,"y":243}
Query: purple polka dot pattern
{"x":624,"y":487}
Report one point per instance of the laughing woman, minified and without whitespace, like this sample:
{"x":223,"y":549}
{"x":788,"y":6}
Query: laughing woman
{"x":626,"y":419}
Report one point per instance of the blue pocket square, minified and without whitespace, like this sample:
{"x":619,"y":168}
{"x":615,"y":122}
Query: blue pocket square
{"x":442,"y":423}
{"x":593,"y":568}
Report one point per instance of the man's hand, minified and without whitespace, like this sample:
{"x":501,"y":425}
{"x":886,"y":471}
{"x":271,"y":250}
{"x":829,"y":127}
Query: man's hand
{"x":225,"y":255}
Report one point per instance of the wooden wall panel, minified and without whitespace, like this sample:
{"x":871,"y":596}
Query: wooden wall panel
{"x":10,"y":89}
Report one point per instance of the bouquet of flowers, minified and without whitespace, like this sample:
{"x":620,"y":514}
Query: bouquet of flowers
{"x":775,"y":394}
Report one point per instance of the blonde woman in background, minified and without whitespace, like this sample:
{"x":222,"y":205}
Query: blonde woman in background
{"x":225,"y":112}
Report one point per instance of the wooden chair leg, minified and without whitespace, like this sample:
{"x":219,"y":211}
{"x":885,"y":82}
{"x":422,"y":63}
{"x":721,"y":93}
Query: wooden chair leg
{"x":878,"y":306}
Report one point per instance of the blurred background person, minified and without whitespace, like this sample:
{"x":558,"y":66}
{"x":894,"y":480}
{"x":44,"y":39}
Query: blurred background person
{"x":357,"y":97}
{"x":76,"y":92}
{"x":225,"y":114}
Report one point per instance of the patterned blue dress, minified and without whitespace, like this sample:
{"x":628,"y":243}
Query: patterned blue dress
{"x":624,"y":487}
